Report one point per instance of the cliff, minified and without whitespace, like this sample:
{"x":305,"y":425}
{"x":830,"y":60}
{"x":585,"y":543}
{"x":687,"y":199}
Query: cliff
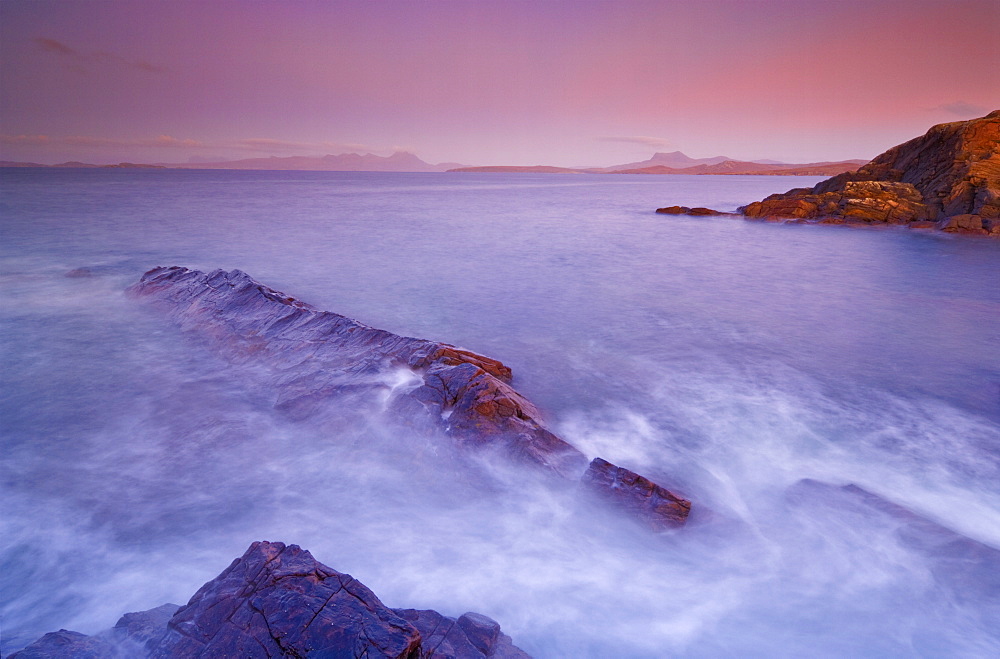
{"x":949,"y":178}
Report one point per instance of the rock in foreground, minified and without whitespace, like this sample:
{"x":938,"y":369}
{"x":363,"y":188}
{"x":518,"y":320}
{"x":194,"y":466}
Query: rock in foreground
{"x":278,"y":601}
{"x":648,"y":502}
{"x":313,"y":355}
{"x":948,"y":178}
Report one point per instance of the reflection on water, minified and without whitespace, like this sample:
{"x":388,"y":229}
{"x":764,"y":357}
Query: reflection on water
{"x":728,"y":360}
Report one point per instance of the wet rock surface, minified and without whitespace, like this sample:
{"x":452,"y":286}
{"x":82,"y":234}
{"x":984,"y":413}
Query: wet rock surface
{"x":278,"y":601}
{"x":684,"y":210}
{"x":65,"y":644}
{"x":970,"y":569}
{"x":950,"y":177}
{"x":652,"y":504}
{"x":471,"y":635}
{"x":314,"y":355}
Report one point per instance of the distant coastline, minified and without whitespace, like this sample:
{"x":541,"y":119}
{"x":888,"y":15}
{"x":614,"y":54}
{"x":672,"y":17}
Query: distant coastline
{"x":401,"y":161}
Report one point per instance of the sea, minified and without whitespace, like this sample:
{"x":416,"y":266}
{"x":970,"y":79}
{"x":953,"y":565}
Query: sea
{"x":828,"y":397}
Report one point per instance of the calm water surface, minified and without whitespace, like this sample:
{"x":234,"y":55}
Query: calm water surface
{"x":728,"y":360}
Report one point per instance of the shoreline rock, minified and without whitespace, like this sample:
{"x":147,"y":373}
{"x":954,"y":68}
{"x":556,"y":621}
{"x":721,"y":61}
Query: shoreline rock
{"x":318,"y":354}
{"x":685,"y":210}
{"x":651,"y":504}
{"x":278,"y":601}
{"x":312,"y":356}
{"x":948,"y":178}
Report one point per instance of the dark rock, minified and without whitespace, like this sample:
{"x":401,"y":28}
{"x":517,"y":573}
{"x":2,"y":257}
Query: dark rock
{"x":684,"y":210}
{"x":472,"y":635}
{"x":79,"y":273}
{"x":65,"y":644}
{"x":313,"y":355}
{"x":950,"y":175}
{"x":144,"y":630}
{"x":279,"y":601}
{"x":650,"y":503}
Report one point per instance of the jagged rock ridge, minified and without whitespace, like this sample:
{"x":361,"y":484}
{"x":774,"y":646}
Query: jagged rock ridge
{"x":948,"y":178}
{"x":278,"y":601}
{"x":314,"y":355}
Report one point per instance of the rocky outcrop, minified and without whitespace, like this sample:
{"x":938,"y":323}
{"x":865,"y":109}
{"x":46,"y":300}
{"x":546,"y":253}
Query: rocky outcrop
{"x":646,"y":501}
{"x":471,"y":635}
{"x":315,"y":354}
{"x":278,"y":601}
{"x":312,"y":356}
{"x":684,"y":210}
{"x":65,"y":644}
{"x":948,"y":178}
{"x":971,"y":569}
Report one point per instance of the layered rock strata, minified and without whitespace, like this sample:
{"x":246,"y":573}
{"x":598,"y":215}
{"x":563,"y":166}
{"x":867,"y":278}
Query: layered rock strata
{"x":278,"y":601}
{"x":646,"y":501}
{"x":948,"y":179}
{"x":314,"y":355}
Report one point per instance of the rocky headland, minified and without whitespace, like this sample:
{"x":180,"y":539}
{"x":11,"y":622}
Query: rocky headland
{"x":279,"y":601}
{"x":949,"y":179}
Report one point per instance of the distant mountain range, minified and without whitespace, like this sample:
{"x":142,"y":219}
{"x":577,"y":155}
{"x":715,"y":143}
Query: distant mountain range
{"x":674,"y":162}
{"x":400,"y":161}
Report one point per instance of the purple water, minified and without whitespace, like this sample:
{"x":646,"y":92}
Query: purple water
{"x":724,"y":358}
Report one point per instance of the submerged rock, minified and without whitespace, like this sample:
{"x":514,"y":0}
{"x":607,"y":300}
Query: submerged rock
{"x":652,"y":504}
{"x":315,"y":354}
{"x":65,"y":644}
{"x":969,"y":567}
{"x":278,"y":601}
{"x":949,"y":176}
{"x":684,"y":210}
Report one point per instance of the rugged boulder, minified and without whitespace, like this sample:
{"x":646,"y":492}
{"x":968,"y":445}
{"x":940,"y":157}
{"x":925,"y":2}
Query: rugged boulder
{"x":646,"y":501}
{"x":312,"y":355}
{"x":950,"y":176}
{"x":278,"y":601}
{"x":471,"y":635}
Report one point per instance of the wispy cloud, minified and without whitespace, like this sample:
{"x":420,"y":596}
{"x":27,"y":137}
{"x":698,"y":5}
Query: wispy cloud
{"x":963,"y":109}
{"x":99,"y":142}
{"x":655,"y":142}
{"x":79,"y":61}
{"x":34,"y":140}
{"x":53,"y":46}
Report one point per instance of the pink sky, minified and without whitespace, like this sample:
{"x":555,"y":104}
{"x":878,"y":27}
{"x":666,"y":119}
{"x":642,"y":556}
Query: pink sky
{"x":554,"y":82}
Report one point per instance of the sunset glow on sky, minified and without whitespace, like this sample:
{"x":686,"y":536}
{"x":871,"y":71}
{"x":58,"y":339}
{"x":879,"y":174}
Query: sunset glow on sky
{"x":556,"y":82}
